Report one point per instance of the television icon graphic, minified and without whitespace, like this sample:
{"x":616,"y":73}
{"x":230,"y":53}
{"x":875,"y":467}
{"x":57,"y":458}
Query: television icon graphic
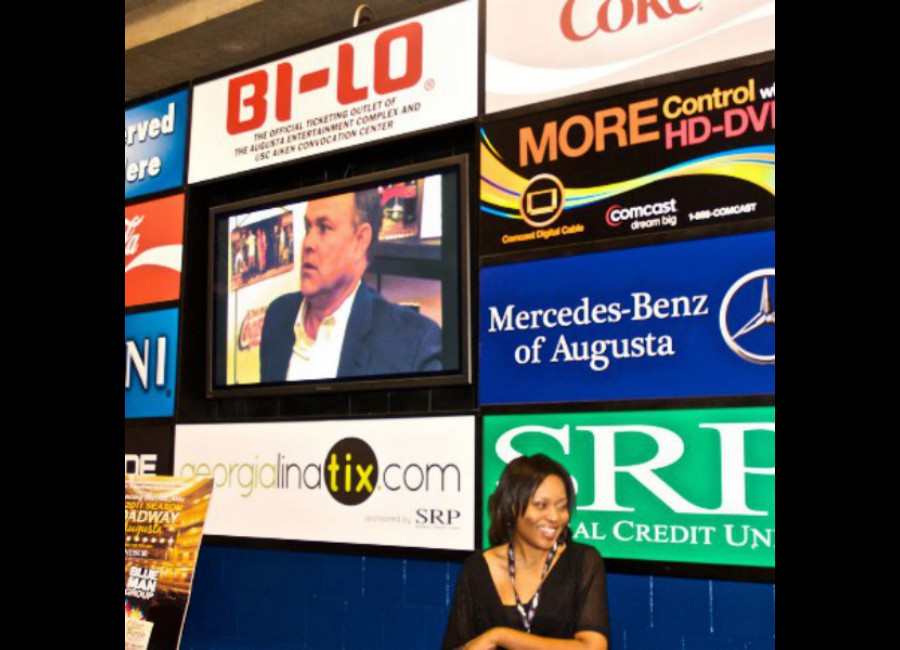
{"x":542,"y":201}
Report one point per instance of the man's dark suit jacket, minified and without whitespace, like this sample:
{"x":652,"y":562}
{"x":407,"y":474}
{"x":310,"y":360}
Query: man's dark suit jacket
{"x":381,"y":338}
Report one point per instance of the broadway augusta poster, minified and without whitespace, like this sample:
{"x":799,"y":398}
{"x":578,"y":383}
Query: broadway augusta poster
{"x":164,"y":519}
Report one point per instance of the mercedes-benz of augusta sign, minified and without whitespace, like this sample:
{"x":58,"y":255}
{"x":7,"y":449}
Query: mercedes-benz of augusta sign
{"x":693,"y":486}
{"x":386,"y":482}
{"x":686,"y":319}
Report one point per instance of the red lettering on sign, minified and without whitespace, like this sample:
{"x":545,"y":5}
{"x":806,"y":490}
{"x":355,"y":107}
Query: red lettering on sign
{"x":314,"y":80}
{"x":283,"y":92}
{"x":258,"y":83}
{"x":412,"y":33}
{"x":347,"y":93}
{"x":613,"y":16}
{"x":248,"y":102}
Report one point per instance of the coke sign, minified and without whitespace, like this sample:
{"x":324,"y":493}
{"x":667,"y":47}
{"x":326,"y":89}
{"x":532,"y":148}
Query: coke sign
{"x":538,"y":50}
{"x":615,"y":15}
{"x":154,"y":245}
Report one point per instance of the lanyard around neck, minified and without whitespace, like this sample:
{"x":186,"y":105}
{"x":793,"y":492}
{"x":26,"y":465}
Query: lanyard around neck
{"x":526,"y":612}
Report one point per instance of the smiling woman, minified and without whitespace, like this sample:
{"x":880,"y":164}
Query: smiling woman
{"x":534,"y":589}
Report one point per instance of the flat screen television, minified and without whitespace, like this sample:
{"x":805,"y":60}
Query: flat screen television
{"x":350,"y":285}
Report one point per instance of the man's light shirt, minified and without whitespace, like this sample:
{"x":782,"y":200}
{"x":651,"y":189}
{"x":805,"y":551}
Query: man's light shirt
{"x":319,"y":358}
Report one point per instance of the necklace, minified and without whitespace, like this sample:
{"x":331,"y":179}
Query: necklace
{"x":526,"y":612}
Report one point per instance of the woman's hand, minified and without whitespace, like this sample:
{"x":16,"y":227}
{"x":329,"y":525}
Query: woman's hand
{"x":486,"y":641}
{"x":506,"y":637}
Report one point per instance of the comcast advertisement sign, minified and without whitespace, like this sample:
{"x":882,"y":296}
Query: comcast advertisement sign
{"x":692,"y":486}
{"x":392,"y":482}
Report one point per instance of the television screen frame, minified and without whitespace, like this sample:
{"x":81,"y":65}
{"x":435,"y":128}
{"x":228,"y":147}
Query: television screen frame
{"x":389,"y":257}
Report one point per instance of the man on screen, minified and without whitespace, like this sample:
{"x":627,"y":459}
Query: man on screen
{"x":336,"y":326}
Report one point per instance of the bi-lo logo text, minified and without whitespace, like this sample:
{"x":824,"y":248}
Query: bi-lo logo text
{"x":250,"y":99}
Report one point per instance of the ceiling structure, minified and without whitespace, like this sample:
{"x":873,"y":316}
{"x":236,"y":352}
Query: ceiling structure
{"x":168,"y":42}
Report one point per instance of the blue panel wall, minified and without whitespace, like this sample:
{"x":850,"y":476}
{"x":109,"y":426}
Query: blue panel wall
{"x":246,"y":599}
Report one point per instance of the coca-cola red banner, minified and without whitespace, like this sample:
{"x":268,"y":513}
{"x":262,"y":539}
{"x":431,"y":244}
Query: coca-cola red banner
{"x":154,"y":239}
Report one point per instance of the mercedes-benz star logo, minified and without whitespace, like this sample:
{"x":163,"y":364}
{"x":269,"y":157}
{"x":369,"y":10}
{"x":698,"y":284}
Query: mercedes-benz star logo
{"x":765,"y":316}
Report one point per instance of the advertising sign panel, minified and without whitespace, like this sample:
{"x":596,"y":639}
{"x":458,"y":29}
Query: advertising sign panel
{"x":154,"y":242}
{"x":148,"y":450}
{"x":163,"y":529}
{"x":393,"y":482}
{"x":539,"y":50}
{"x":155,"y":136}
{"x":151,"y":347}
{"x":692,"y":154}
{"x":688,"y":319}
{"x":412,"y":75}
{"x":692,"y":486}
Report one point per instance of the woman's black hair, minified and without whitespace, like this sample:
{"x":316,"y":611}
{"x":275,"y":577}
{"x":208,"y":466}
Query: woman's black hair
{"x":518,"y":483}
